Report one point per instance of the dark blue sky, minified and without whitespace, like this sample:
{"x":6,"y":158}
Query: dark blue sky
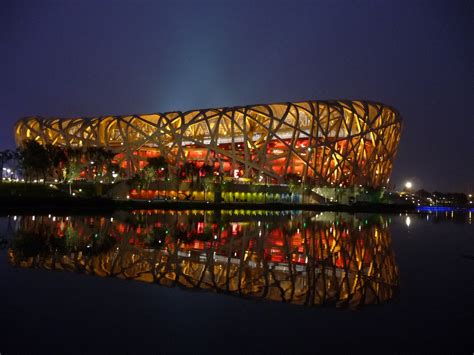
{"x":74,"y":58}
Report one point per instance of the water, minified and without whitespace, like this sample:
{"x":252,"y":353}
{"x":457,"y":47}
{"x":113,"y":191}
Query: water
{"x":241,"y":282}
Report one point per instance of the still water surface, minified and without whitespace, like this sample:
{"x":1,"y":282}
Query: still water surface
{"x":237,"y":281}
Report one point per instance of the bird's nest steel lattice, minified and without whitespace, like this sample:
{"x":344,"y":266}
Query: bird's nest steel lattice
{"x":339,"y":143}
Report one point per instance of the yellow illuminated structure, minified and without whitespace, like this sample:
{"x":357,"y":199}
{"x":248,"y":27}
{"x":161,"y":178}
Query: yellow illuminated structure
{"x":326,"y":143}
{"x":306,"y":259}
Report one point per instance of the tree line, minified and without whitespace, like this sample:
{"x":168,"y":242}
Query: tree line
{"x":54,"y":163}
{"x":50,"y":162}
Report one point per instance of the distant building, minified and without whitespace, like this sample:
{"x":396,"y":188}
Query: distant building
{"x":322,"y":143}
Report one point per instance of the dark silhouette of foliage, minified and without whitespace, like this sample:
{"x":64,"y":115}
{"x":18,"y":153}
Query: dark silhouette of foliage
{"x":160,"y":165}
{"x":57,"y":158}
{"x":35,"y":159}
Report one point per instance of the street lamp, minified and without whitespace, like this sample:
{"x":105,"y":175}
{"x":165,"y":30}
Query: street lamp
{"x":408,"y":185}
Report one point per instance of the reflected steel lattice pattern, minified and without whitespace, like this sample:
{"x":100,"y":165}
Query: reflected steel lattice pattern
{"x":329,"y":142}
{"x":323,"y":263}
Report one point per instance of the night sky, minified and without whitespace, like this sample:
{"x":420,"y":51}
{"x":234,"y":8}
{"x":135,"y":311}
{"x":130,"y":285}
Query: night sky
{"x":89,"y":58}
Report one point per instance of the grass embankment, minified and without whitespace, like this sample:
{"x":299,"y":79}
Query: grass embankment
{"x":24,"y":190}
{"x":39,"y":197}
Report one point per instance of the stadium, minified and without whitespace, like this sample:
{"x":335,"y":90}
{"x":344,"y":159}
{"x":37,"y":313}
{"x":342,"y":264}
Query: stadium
{"x":322,"y":143}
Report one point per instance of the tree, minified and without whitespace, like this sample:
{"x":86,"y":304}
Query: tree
{"x":34,"y":159}
{"x":136,"y":182}
{"x":148,"y":175}
{"x":160,"y":164}
{"x":97,"y":159}
{"x":97,"y":162}
{"x":206,"y":171}
{"x":57,"y":158}
{"x":206,"y":178}
{"x":105,"y":161}
{"x":207,"y":184}
{"x":73,"y":166}
{"x":73,"y":171}
{"x":189,"y":171}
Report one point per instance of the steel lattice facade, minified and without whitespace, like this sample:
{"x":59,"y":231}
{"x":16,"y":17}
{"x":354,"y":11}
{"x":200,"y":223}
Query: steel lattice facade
{"x":328,"y":143}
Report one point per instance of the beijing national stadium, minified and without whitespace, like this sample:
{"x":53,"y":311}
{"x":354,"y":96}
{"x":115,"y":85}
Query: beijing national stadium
{"x":325,"y":143}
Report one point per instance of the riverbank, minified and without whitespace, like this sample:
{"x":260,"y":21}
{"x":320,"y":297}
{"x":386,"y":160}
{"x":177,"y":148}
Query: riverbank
{"x":67,"y":204}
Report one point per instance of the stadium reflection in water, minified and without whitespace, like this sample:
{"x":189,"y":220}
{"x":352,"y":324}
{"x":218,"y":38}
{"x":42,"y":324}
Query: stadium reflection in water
{"x":303,"y":258}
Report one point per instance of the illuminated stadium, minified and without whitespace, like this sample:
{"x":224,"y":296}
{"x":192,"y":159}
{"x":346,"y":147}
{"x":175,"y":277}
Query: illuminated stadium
{"x":323,"y":143}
